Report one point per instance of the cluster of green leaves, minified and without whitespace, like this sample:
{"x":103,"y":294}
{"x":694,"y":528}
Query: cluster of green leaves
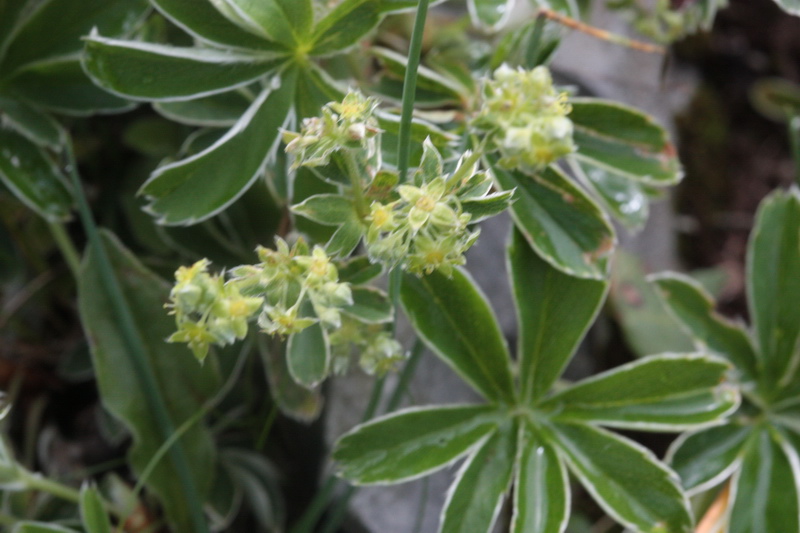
{"x":527,"y":435}
{"x":756,"y":452}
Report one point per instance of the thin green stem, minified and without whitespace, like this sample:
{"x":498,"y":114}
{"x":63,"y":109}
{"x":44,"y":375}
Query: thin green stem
{"x":794,"y":137}
{"x":410,"y":90}
{"x":356,"y":184}
{"x":67,"y":247}
{"x":43,"y":484}
{"x":406,"y":375}
{"x":262,"y":437}
{"x":135,"y":348}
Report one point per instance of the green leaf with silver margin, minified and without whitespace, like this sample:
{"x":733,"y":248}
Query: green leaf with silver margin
{"x":217,"y":111}
{"x":31,"y":175}
{"x":773,"y":286}
{"x":476,"y":496}
{"x":790,"y":6}
{"x":157,"y":72}
{"x":295,"y":401}
{"x":190,"y":190}
{"x":345,"y":25}
{"x":412,"y":443}
{"x":490,"y":15}
{"x":370,"y":305}
{"x":670,"y":392}
{"x":623,"y":140}
{"x":308,"y":355}
{"x":693,"y":307}
{"x":454,"y":319}
{"x":625,"y":478}
{"x":555,"y":310}
{"x":563,"y":225}
{"x":202,"y":21}
{"x":705,"y":458}
{"x":765,"y":488}
{"x":37,"y":126}
{"x":541,"y":486}
{"x":93,"y":512}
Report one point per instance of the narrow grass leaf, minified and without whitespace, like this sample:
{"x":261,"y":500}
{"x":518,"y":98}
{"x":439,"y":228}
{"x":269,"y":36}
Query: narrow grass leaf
{"x":184,"y":384}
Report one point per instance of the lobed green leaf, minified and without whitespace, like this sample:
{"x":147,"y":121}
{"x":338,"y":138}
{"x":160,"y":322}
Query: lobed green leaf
{"x":693,"y":307}
{"x":33,"y":177}
{"x":554,"y":310}
{"x":541,"y":486}
{"x":563,"y":225}
{"x":149,"y":71}
{"x":345,"y":25}
{"x":662,"y":392}
{"x":476,"y":496}
{"x":623,"y":140}
{"x":454,"y":319}
{"x":412,"y":443}
{"x":706,"y":457}
{"x":196,"y":188}
{"x":625,"y":478}
{"x":773,"y":286}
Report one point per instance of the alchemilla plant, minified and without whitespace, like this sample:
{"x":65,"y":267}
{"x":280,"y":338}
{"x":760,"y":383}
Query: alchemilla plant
{"x":311,"y":170}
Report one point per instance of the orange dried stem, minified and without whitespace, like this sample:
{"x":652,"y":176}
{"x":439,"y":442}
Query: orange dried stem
{"x":598,"y":33}
{"x":712,"y":520}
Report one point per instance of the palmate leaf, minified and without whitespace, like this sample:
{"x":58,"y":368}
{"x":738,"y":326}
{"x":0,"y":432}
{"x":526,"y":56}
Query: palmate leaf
{"x":693,"y":307}
{"x":545,"y":435}
{"x":474,"y":500}
{"x":283,"y":21}
{"x":623,"y":140}
{"x":541,"y":486}
{"x":346,"y":24}
{"x":31,"y":175}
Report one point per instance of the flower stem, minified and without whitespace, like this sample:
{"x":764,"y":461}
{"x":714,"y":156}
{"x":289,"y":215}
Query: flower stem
{"x":41,"y":483}
{"x":135,"y":348}
{"x":355,"y":181}
{"x":65,"y":244}
{"x":410,"y":90}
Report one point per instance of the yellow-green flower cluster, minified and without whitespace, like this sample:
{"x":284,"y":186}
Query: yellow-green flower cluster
{"x":378,"y":352}
{"x":345,"y":125}
{"x":525,"y":117}
{"x":425,"y":229}
{"x":299,"y":286}
{"x":207,"y":310}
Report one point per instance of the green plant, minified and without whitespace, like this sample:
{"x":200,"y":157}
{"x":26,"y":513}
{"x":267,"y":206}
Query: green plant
{"x":358,"y":153}
{"x":756,"y":452}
